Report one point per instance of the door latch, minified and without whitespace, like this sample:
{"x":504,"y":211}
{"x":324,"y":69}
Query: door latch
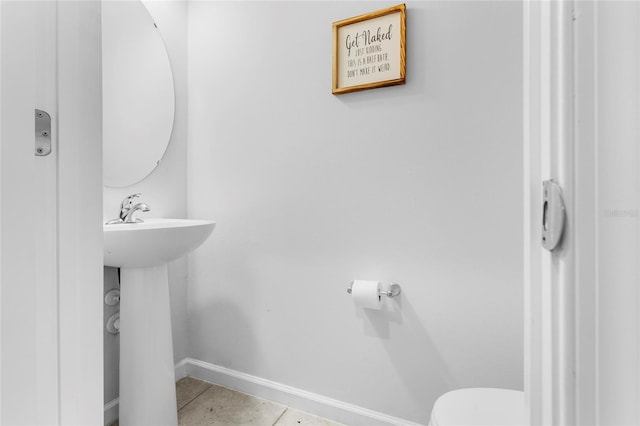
{"x":553,"y":215}
{"x":43,"y":133}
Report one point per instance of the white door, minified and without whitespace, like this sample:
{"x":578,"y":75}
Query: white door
{"x":18,"y":378}
{"x":50,"y":213}
{"x":584,"y":299}
{"x":607,"y":123}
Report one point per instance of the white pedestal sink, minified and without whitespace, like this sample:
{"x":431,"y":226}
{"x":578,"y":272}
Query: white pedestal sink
{"x":142,"y":250}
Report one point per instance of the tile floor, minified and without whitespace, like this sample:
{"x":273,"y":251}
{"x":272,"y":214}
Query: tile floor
{"x":202,"y":403}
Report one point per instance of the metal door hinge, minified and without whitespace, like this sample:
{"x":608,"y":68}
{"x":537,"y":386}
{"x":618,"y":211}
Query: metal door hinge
{"x":43,"y":133}
{"x":553,"y":215}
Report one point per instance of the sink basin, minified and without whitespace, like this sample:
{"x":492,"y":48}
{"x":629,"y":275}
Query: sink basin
{"x":152,"y":242}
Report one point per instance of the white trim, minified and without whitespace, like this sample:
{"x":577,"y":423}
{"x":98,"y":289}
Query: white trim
{"x":563,"y":259}
{"x":536,"y":98}
{"x":181,"y":369}
{"x":1,"y":209}
{"x":550,"y":364}
{"x":529,"y":356}
{"x":292,"y":397}
{"x":296,"y":398}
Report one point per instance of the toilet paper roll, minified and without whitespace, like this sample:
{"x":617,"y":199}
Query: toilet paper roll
{"x":366,"y":294}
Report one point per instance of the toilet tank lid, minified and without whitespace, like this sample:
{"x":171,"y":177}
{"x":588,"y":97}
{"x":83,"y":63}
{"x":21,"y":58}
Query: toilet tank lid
{"x":479,"y":407}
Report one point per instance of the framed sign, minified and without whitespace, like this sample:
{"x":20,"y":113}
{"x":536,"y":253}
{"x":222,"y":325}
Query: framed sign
{"x":369,"y":50}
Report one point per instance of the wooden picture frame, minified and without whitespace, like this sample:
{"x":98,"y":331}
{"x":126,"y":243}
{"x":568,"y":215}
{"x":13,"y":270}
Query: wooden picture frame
{"x":369,"y":50}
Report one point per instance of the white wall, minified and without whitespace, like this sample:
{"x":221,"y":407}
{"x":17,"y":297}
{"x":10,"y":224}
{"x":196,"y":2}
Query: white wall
{"x":419,"y":184}
{"x":164,"y":189}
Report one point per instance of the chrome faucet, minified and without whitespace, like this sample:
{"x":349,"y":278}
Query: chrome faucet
{"x":128,"y":210}
{"x":140,"y":207}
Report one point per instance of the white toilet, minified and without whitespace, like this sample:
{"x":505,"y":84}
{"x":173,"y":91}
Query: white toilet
{"x":479,"y":407}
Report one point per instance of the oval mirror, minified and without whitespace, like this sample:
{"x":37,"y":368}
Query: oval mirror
{"x":138,"y":93}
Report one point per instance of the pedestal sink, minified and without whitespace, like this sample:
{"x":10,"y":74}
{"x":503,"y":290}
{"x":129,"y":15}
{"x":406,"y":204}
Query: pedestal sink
{"x":141,"y":251}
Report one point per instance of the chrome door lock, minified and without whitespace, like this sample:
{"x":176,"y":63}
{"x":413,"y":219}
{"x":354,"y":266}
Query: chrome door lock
{"x":553,"y":215}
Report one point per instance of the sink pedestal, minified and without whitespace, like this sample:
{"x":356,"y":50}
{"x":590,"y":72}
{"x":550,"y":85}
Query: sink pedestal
{"x":142,"y":251}
{"x":147,"y":374}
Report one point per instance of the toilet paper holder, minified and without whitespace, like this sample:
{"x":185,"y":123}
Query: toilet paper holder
{"x":393,"y":290}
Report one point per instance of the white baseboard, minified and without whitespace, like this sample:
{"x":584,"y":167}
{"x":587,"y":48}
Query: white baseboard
{"x":181,"y":369}
{"x":298,"y":399}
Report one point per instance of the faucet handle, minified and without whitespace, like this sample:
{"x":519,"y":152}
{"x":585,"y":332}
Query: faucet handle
{"x":126,"y":205}
{"x":128,"y":201}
